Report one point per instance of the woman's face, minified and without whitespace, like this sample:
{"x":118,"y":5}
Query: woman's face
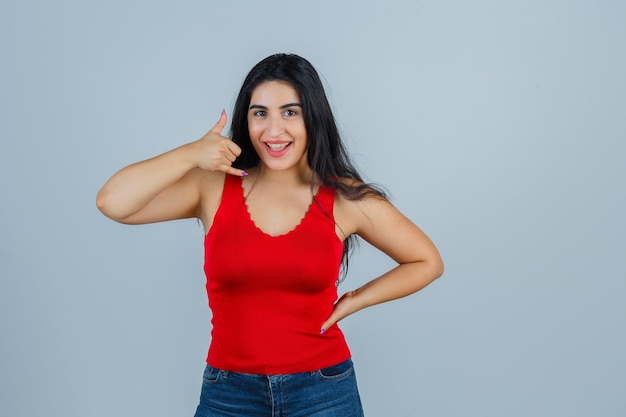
{"x":276,"y":125}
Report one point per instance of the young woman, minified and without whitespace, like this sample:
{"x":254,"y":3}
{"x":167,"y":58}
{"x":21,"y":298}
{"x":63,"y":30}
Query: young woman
{"x":281,"y":204}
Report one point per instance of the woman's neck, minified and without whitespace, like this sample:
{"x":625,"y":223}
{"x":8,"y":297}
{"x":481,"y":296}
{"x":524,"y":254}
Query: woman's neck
{"x":296,"y":175}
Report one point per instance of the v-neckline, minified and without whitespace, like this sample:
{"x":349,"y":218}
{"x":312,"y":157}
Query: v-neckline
{"x":290,"y":231}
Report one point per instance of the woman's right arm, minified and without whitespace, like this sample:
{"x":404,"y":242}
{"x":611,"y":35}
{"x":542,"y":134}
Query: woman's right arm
{"x":167,"y":187}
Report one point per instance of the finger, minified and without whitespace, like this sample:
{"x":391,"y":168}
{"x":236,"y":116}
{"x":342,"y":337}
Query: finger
{"x":221,"y":123}
{"x":341,"y":309}
{"x":230,"y":152}
{"x":330,"y":321}
{"x":236,"y":172}
{"x":328,"y":324}
{"x":234,"y":148}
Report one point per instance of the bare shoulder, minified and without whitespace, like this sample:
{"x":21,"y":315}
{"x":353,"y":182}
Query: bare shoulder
{"x":351,"y":213}
{"x":375,"y":219}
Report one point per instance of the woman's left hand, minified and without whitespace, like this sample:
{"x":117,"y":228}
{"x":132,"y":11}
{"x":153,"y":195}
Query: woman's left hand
{"x":345,"y":306}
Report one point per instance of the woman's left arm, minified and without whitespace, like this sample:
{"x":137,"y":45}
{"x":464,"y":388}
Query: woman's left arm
{"x":379,"y":223}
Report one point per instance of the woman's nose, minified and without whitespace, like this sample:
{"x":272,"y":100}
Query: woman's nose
{"x":277,"y":127}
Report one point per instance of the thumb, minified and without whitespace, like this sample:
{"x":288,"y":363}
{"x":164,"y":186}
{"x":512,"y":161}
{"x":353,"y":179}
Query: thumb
{"x":221,"y":123}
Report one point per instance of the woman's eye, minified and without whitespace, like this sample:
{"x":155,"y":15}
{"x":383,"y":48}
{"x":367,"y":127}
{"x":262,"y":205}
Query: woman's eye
{"x":290,"y":112}
{"x":259,"y":113}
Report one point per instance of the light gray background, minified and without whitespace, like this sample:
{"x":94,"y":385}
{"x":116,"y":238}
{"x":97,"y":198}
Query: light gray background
{"x":497,"y":126}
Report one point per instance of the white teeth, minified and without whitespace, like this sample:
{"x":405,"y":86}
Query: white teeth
{"x":277,"y":146}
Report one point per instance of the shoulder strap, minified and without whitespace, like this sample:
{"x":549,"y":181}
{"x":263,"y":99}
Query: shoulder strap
{"x":325,"y":199}
{"x":232,"y":194}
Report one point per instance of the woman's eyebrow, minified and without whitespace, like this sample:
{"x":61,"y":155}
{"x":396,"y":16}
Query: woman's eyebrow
{"x":284,"y":106}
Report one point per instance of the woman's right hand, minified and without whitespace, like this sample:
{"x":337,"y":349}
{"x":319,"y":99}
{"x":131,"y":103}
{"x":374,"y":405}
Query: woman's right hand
{"x":214,"y":152}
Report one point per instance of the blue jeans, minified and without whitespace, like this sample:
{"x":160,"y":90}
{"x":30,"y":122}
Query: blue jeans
{"x":328,"y":392}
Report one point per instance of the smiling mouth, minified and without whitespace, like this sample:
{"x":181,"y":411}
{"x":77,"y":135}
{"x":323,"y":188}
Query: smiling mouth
{"x":277,"y":146}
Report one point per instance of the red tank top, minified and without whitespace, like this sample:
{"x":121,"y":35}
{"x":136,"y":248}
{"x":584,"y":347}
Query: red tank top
{"x":270,"y":295}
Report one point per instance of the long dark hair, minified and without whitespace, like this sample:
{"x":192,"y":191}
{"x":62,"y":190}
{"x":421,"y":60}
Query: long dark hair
{"x":326,"y":153}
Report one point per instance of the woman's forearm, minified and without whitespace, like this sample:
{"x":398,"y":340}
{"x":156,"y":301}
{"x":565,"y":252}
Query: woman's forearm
{"x":399,"y":282}
{"x":403,"y":280}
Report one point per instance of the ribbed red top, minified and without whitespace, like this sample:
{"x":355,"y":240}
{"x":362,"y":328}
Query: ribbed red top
{"x":270,"y":295}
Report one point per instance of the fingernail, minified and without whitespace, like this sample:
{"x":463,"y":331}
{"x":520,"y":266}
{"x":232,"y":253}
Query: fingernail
{"x":322,"y":331}
{"x":244,"y":174}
